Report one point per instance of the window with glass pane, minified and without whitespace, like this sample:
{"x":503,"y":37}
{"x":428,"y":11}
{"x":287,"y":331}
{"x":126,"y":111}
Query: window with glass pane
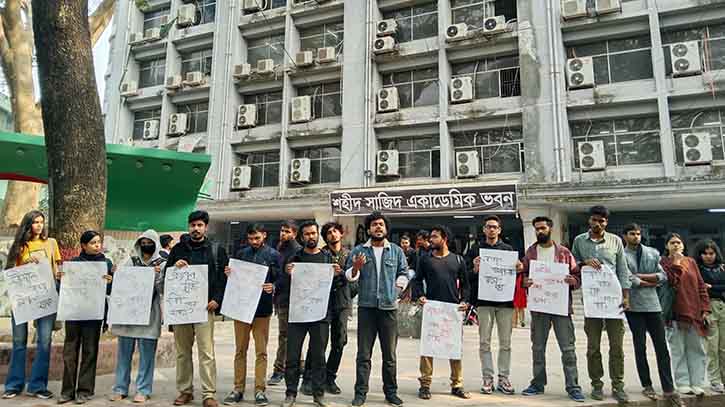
{"x":265,"y":168}
{"x":269,"y":107}
{"x":197,"y":61}
{"x":326,"y":35}
{"x":151,"y":73}
{"x":414,"y":23}
{"x":699,"y":121}
{"x":324,"y":163}
{"x":712,"y":53}
{"x":326,"y":99}
{"x":197,"y":115}
{"x":492,"y":77}
{"x":626,"y":141}
{"x":205,"y":10}
{"x":499,"y":150}
{"x":152,"y":19}
{"x":415,"y":88}
{"x":418,"y":157}
{"x":472,"y":12}
{"x":620,"y":60}
{"x":271,"y":47}
{"x":141,"y":116}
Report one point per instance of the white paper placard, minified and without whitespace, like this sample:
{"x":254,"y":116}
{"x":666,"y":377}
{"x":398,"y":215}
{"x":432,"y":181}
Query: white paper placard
{"x":131,"y":297}
{"x":243,"y":291}
{"x":310,"y":291}
{"x":549,"y":293}
{"x":31,"y":288}
{"x":602,"y":293}
{"x":442,"y":331}
{"x":497,"y":275}
{"x":82,"y":291}
{"x":186,"y":294}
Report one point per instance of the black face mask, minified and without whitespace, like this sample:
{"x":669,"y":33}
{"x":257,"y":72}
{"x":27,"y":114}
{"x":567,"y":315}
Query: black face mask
{"x":148,"y":249}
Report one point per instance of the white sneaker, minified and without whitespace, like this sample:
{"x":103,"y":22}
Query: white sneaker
{"x":685,"y":390}
{"x":698,"y":391}
{"x":718,"y":388}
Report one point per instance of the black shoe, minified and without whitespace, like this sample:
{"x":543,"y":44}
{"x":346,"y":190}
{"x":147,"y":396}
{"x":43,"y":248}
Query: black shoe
{"x":358,"y":401}
{"x":394,"y":400}
{"x":306,"y":388}
{"x":233,"y":397}
{"x":82,"y":398}
{"x":460,"y":393}
{"x":63,"y":399}
{"x":320,"y":401}
{"x":43,"y":394}
{"x":9,"y":394}
{"x":333,"y":388}
{"x":597,"y":394}
{"x":276,"y":378}
{"x":424,"y":393}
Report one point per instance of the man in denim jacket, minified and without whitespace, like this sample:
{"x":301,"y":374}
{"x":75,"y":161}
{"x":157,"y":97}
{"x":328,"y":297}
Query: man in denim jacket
{"x":376,"y":265}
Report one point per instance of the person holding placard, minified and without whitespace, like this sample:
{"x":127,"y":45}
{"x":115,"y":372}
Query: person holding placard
{"x":256,"y":252}
{"x":546,"y":250}
{"x":31,"y":244}
{"x":446,"y":280}
{"x":595,"y":248}
{"x":490,"y":313}
{"x":195,"y":248}
{"x":147,"y":254}
{"x":82,"y":337}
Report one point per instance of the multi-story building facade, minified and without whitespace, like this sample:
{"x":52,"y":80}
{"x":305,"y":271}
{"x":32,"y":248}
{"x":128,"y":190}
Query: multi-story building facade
{"x":436,"y":111}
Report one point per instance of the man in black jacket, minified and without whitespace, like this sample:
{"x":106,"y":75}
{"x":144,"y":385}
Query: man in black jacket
{"x":195,"y":248}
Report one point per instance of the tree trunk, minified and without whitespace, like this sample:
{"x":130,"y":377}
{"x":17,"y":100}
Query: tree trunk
{"x":74,"y":138}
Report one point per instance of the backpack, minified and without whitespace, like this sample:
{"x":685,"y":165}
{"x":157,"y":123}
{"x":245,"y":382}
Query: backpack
{"x":667,"y":295}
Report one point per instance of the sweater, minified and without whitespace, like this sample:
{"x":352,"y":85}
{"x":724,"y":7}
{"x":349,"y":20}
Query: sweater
{"x":691,"y":299}
{"x":715,"y":276}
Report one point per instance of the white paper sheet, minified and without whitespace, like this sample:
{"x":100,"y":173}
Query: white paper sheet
{"x":186,"y":294}
{"x":310,"y":291}
{"x":497,"y":275}
{"x":31,"y":289}
{"x":82,"y":291}
{"x":243,"y":291}
{"x":442,"y":333}
{"x":133,"y":290}
{"x":549,"y":293}
{"x":602,"y":293}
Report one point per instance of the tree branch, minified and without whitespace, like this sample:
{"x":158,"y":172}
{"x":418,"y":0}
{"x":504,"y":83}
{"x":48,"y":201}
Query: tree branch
{"x":100,"y":18}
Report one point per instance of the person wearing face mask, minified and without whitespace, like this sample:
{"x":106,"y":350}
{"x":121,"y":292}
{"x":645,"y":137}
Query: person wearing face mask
{"x":712,"y":269}
{"x":147,"y":254}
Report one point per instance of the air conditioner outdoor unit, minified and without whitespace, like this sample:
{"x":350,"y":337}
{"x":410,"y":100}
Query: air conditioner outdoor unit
{"x":387,"y":27}
{"x":265,"y":66}
{"x":301,"y":109}
{"x":304,"y":58}
{"x":467,"y":164}
{"x":494,"y":25}
{"x":247,"y":116}
{"x":177,"y":124}
{"x":252,"y":5}
{"x":242,"y":71}
{"x":241,"y":178}
{"x":697,"y":148}
{"x":173,"y":82}
{"x":150,"y":129}
{"x":388,"y":100}
{"x":163,"y":20}
{"x":326,"y":55}
{"x":186,"y":15}
{"x":580,"y":72}
{"x":388,"y":163}
{"x":136,"y":39}
{"x":573,"y":9}
{"x":129,"y":88}
{"x":384,"y":45}
{"x":461,"y":89}
{"x":194,"y":78}
{"x":591,"y":155}
{"x":300,"y":171}
{"x":152,"y":34}
{"x":607,"y":6}
{"x":685,"y":58}
{"x":457,"y":32}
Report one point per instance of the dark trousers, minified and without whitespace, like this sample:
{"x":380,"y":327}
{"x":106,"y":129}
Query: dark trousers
{"x":373,"y":323}
{"x":296,"y":332}
{"x":541,"y":324}
{"x":338,"y":340}
{"x":642,"y":323}
{"x":81,"y":342}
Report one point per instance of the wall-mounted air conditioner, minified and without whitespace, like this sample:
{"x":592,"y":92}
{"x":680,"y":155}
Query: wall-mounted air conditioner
{"x":697,"y":148}
{"x":384,"y":45}
{"x":461,"y":89}
{"x":241,"y":178}
{"x":685,"y":58}
{"x":386,"y":27}
{"x":467,"y":164}
{"x":591,"y":155}
{"x":580,"y":72}
{"x":494,"y":25}
{"x":388,"y":164}
{"x":247,"y":116}
{"x":150,"y":130}
{"x":300,"y":172}
{"x":301,"y":109}
{"x":177,"y":124}
{"x":388,"y":100}
{"x":457,"y":32}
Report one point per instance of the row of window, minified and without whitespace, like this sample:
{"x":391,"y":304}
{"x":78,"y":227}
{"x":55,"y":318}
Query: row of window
{"x":205,"y":13}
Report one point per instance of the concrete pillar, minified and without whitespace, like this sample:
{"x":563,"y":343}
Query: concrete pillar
{"x":667,"y":141}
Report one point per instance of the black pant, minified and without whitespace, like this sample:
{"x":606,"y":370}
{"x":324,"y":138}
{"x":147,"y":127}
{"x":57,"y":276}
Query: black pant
{"x":338,"y":340}
{"x":296,"y":332}
{"x":373,"y":323}
{"x":81,"y":342}
{"x":641,"y":323}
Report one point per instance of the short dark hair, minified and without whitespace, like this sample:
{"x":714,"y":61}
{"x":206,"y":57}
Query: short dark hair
{"x":290,"y":224}
{"x":307,"y":224}
{"x":631,"y":227}
{"x":422,"y":234}
{"x":331,"y":225}
{"x":376,"y":215}
{"x":165,"y":240}
{"x":493,"y":217}
{"x":199,"y":215}
{"x":443,"y":230}
{"x":546,"y":219}
{"x":405,"y":236}
{"x":88,"y":235}
{"x":256,"y":228}
{"x":600,"y":210}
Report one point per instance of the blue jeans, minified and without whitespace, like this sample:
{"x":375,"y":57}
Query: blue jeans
{"x":39,"y":374}
{"x":147,"y":359}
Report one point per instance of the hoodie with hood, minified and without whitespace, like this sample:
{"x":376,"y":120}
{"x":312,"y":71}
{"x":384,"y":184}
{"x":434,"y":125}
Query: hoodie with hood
{"x":153,"y":329}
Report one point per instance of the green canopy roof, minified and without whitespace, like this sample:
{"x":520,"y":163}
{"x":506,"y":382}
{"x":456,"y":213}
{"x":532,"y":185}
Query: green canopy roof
{"x":147,"y":188}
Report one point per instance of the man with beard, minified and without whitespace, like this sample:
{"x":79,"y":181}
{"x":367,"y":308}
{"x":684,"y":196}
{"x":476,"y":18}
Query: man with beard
{"x":596,"y":248}
{"x":375,"y":266}
{"x":287,"y":248}
{"x":422,"y":248}
{"x":444,"y":274}
{"x":546,"y":250}
{"x":318,"y":331}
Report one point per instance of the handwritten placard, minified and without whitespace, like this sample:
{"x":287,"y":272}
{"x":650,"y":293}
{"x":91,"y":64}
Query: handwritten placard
{"x":186,"y":291}
{"x":243,"y":291}
{"x":602,"y":293}
{"x":549,"y":293}
{"x":31,"y":289}
{"x":497,"y":275}
{"x":82,"y":291}
{"x":310,"y":291}
{"x":133,"y":290}
{"x":442,"y":333}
